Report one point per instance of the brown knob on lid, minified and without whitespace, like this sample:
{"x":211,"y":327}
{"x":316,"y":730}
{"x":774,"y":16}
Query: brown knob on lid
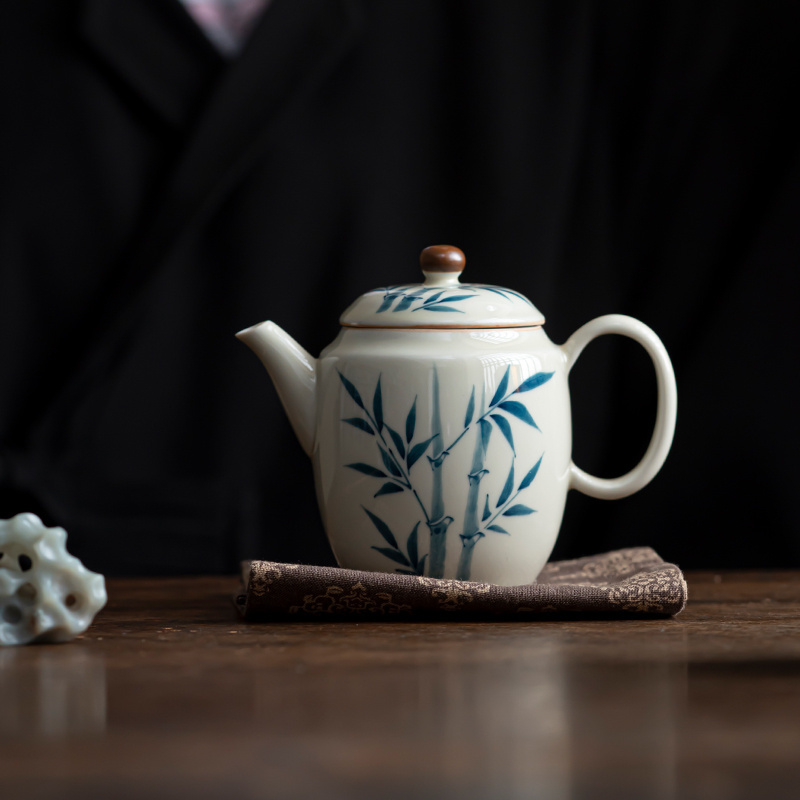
{"x":442,"y":258}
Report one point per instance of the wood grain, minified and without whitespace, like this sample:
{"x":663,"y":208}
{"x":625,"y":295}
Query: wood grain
{"x":169,"y":694}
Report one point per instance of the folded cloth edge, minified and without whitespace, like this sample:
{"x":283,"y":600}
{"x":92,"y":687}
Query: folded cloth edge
{"x":633,"y":582}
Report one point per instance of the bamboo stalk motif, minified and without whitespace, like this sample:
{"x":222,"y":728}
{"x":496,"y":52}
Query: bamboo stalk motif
{"x":399,"y":452}
{"x":439,"y":522}
{"x":472,"y":534}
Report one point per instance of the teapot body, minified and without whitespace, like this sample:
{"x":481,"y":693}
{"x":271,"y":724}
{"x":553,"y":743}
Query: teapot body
{"x":443,"y":453}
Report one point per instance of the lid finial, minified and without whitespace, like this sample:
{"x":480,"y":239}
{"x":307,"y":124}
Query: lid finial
{"x":442,"y":258}
{"x":442,"y":264}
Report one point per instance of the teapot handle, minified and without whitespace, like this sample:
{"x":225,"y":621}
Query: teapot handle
{"x":654,"y":457}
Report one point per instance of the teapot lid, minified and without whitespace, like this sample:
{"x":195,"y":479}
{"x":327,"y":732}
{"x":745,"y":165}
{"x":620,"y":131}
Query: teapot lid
{"x":441,"y":300}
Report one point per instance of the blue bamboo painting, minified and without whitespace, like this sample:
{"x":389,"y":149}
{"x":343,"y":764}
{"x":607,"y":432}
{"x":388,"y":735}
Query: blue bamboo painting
{"x":431,"y":298}
{"x":399,"y":451}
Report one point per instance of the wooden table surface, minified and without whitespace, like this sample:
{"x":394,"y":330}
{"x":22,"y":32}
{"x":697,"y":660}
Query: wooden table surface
{"x":170,"y":695}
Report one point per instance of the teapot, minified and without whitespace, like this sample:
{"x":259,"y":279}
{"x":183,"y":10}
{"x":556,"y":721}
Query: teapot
{"x":438,"y":423}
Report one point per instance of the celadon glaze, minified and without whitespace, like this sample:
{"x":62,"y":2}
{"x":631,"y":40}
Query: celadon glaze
{"x":46,"y":594}
{"x":443,"y":449}
{"x":423,"y":474}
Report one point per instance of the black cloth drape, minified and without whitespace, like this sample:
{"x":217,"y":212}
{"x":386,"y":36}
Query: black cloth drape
{"x":640,"y":158}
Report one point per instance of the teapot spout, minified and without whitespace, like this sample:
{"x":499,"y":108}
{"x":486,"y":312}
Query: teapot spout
{"x":293,"y":371}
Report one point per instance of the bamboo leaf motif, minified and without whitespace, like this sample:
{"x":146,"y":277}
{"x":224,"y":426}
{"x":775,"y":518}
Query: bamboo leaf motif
{"x":421,"y":565}
{"x":388,"y":462}
{"x":505,"y":292}
{"x":373,"y":472}
{"x":389,"y":488}
{"x":470,"y":409}
{"x":383,"y":529}
{"x":361,"y":424}
{"x":377,"y":405}
{"x":406,"y":299}
{"x":500,"y":393}
{"x":411,"y":547}
{"x":395,"y":555}
{"x":528,"y":479}
{"x":498,"y":529}
{"x":411,"y":421}
{"x":432,"y":299}
{"x":505,"y":429}
{"x":486,"y":512}
{"x":418,"y":450}
{"x":434,"y":302}
{"x":534,"y":381}
{"x":495,"y":290}
{"x":507,"y":488}
{"x":398,"y":441}
{"x":518,"y":510}
{"x":519,"y":411}
{"x":352,"y":391}
{"x":388,"y":299}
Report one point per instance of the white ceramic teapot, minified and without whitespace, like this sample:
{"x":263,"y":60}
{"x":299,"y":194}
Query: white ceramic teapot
{"x":438,"y":422}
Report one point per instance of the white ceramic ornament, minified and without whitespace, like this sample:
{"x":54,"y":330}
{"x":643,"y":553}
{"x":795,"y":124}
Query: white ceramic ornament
{"x":46,"y":595}
{"x":438,"y":423}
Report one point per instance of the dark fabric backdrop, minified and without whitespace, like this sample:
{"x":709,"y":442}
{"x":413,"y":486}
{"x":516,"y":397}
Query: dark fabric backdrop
{"x":640,"y":158}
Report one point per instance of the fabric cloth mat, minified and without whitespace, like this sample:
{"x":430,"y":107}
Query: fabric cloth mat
{"x":631,"y":582}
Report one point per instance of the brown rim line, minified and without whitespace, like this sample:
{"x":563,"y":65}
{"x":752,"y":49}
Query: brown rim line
{"x":439,"y":327}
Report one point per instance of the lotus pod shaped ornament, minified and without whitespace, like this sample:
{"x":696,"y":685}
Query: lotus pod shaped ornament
{"x":46,"y":595}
